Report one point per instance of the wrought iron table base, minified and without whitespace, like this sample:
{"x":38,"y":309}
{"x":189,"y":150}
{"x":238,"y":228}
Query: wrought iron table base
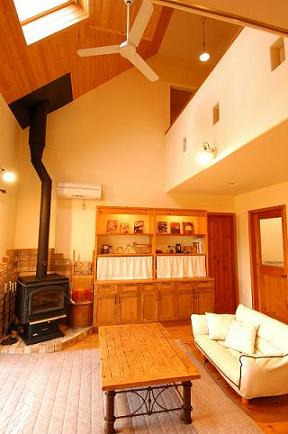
{"x":149,"y":401}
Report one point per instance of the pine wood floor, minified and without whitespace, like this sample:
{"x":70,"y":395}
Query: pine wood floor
{"x":270,"y":414}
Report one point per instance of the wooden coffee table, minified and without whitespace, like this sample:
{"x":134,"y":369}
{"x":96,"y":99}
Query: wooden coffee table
{"x":142,"y":357}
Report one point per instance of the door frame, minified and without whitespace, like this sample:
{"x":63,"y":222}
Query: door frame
{"x":254,"y":217}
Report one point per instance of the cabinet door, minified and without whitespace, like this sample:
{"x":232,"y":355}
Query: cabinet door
{"x":149,"y":303}
{"x":167,"y":310}
{"x":186,"y":303}
{"x":205,"y":301}
{"x":127,"y":304}
{"x":105,"y":307}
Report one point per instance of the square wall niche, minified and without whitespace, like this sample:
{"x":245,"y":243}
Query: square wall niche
{"x":277,"y":53}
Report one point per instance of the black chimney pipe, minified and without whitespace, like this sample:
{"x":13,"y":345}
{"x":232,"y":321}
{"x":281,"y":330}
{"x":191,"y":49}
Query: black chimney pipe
{"x":37,"y":135}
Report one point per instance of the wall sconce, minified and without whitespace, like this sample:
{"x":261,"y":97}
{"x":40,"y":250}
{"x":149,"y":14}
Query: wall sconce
{"x":207,"y":154}
{"x":8,"y":177}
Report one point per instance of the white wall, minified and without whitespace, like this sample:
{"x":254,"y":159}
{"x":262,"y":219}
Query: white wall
{"x":113,"y":136}
{"x":9,"y":139}
{"x":252,"y":100}
{"x":265,"y":197}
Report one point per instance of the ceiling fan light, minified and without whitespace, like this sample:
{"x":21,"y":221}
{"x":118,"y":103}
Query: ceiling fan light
{"x":204,"y":56}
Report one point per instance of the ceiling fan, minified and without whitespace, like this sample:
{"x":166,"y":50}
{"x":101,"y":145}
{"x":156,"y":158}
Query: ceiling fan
{"x":127,"y":49}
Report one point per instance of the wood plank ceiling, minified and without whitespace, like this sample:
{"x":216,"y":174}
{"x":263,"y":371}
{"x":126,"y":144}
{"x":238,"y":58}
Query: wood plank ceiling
{"x":26,"y":68}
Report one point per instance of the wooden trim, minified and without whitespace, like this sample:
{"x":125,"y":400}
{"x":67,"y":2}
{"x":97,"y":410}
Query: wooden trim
{"x":48,"y":12}
{"x":222,"y":16}
{"x":254,"y":217}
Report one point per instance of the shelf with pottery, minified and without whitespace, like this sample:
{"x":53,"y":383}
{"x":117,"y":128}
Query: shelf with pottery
{"x":137,"y":286}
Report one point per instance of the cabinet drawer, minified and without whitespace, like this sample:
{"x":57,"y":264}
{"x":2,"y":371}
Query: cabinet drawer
{"x":106,"y":289}
{"x":147,"y":287}
{"x":205,"y":285}
{"x":167,"y":286}
{"x":129,"y":288}
{"x":185,"y":286}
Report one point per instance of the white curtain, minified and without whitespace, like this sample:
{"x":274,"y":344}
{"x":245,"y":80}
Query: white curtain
{"x":180,"y":266}
{"x":122,"y":268}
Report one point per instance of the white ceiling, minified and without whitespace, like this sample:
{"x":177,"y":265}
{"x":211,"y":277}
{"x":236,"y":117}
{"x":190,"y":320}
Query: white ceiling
{"x":260,"y":163}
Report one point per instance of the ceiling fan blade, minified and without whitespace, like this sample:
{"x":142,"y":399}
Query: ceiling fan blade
{"x":143,"y":66}
{"x":140,"y":22}
{"x":98,"y":51}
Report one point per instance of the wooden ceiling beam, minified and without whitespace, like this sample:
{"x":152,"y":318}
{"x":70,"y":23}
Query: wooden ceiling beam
{"x":189,"y":6}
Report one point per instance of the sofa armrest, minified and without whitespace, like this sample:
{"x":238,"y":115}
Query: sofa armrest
{"x":265,"y":375}
{"x":199,"y":325}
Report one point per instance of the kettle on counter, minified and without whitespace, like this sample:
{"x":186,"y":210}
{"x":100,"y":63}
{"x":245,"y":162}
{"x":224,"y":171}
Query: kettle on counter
{"x":106,"y":249}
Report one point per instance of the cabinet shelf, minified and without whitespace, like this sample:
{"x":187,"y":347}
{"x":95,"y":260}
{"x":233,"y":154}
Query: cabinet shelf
{"x":150,"y":221}
{"x":113,"y":255}
{"x":102,"y":234}
{"x":180,"y":254}
{"x":180,"y":235}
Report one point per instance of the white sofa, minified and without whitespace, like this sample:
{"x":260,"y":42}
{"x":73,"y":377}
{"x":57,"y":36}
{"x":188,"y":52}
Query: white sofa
{"x":263,"y":373}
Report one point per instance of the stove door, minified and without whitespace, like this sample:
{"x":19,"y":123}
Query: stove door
{"x":46,"y":302}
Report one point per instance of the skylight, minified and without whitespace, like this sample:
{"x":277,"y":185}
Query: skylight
{"x":42,"y":18}
{"x":33,"y":9}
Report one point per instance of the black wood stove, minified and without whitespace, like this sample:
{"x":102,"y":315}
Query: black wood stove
{"x":40,"y":305}
{"x":42,"y":300}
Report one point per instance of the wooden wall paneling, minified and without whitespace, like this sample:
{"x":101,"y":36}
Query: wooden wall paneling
{"x":222,"y":260}
{"x":24,"y":69}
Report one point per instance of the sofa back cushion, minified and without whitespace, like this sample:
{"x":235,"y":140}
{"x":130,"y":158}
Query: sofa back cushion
{"x":219,"y":325}
{"x":241,"y":337}
{"x":274,"y":332}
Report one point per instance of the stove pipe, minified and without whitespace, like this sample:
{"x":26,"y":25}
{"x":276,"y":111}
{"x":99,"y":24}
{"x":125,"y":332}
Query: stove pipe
{"x":37,"y":135}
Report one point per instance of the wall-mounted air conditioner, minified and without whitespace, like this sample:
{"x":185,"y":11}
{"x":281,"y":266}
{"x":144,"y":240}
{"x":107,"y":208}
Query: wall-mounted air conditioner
{"x":67,"y":190}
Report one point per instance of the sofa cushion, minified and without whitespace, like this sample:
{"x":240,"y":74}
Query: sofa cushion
{"x":199,"y":325}
{"x":220,"y":357}
{"x":265,"y":347}
{"x":241,"y":337}
{"x":218,"y":325}
{"x":272,"y":331}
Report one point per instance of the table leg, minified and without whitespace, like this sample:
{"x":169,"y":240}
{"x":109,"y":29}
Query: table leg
{"x":187,"y":408}
{"x":110,"y":418}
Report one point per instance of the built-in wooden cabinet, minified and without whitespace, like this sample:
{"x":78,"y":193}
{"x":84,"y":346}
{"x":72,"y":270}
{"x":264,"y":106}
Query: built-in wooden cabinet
{"x":185,"y":300}
{"x":124,"y":303}
{"x":127,"y":303}
{"x":105,"y":305}
{"x":148,"y":236}
{"x":149,"y":302}
{"x":167,"y":301}
{"x":150,"y":265}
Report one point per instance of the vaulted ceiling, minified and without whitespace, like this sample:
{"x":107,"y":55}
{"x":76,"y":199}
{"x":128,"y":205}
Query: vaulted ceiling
{"x":25,"y":68}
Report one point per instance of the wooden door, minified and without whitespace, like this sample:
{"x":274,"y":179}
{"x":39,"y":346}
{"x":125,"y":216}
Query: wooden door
{"x":222,"y":260}
{"x":268,"y":252}
{"x":167,"y":309}
{"x":149,"y":303}
{"x":127,"y":304}
{"x":105,"y":308}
